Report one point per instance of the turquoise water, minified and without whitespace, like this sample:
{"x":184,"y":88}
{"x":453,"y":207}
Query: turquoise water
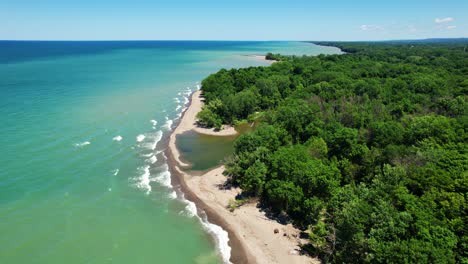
{"x":83,"y":178}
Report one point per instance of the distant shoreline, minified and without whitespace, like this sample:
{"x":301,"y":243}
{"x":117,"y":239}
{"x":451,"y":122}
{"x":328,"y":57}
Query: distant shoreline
{"x":251,"y":234}
{"x":262,"y":58}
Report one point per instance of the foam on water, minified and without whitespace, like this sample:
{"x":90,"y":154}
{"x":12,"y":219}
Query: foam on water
{"x":173,"y":195}
{"x":198,"y":86}
{"x":82,"y":144}
{"x":190,"y":208}
{"x":164,"y":178}
{"x":222,"y":240}
{"x":178,"y":107}
{"x":168,"y":124}
{"x":154,"y":122}
{"x":140,"y":138}
{"x":117,"y":138}
{"x":143,"y":182}
{"x":115,"y":172}
{"x":154,"y":140}
{"x":219,"y":234}
{"x":152,"y":159}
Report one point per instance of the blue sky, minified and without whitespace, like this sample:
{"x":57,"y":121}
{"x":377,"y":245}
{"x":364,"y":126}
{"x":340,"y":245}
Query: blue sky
{"x":232,"y":19}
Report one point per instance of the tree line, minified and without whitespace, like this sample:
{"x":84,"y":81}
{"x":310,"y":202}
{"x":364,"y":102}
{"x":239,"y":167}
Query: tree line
{"x":366,"y":151}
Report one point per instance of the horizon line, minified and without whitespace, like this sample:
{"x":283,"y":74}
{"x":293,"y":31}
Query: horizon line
{"x":218,"y":40}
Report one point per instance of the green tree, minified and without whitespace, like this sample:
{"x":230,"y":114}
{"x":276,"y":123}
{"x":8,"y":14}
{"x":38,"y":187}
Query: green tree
{"x":207,"y":118}
{"x":254,"y":178}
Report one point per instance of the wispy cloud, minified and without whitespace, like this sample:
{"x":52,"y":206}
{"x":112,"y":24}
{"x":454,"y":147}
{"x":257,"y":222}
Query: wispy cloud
{"x":451,"y":27}
{"x":443,"y":20}
{"x":370,"y":27}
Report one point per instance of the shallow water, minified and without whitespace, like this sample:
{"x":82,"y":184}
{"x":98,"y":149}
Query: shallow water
{"x":204,"y":151}
{"x":83,"y":178}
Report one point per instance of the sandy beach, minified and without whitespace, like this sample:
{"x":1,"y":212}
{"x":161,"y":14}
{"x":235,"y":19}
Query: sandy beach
{"x":262,"y":58}
{"x":188,"y":122}
{"x":252,"y":235}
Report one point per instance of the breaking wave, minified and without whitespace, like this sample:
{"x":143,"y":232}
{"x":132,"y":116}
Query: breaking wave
{"x":82,"y":144}
{"x":140,"y":138}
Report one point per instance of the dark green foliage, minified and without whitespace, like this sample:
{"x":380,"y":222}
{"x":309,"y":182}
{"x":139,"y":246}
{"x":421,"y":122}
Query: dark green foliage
{"x":276,"y":57}
{"x":366,"y":150}
{"x":283,"y":196}
{"x":254,"y":178}
{"x":207,"y":118}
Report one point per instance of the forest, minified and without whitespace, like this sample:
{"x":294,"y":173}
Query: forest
{"x":365,"y":151}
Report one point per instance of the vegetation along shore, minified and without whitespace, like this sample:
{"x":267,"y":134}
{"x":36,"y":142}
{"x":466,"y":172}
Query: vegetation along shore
{"x":361,"y":156}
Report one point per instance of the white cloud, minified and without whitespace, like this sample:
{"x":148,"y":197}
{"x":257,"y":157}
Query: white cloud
{"x":370,"y":27}
{"x":451,"y":27}
{"x":443,"y":20}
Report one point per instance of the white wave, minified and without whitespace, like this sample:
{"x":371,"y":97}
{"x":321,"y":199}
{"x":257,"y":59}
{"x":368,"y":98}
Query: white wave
{"x":222,"y":240}
{"x":154,"y":139}
{"x":147,"y":155}
{"x":198,"y":86}
{"x":152,"y":159}
{"x":177,"y":100}
{"x":164,"y":178}
{"x":173,"y":195}
{"x":168,"y":124}
{"x":186,"y":100}
{"x":154,"y":122}
{"x":190,"y":209}
{"x":115,"y":172}
{"x":179,"y":93}
{"x":178,"y":107}
{"x":117,"y":138}
{"x":220,"y":235}
{"x":140,"y":138}
{"x":143,"y":182}
{"x":82,"y":144}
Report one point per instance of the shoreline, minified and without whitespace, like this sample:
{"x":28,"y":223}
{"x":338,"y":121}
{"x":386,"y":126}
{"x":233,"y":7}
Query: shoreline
{"x":262,"y":58}
{"x":238,"y":253}
{"x":187,"y":122}
{"x":251,"y":234}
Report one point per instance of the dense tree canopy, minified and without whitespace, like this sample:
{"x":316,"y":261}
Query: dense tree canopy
{"x":366,"y":150}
